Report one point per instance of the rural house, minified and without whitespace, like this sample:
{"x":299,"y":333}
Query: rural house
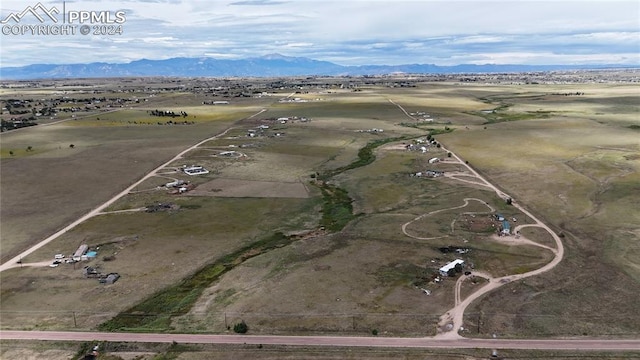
{"x":444,"y":271}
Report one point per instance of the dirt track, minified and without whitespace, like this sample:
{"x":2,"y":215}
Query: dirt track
{"x":451,"y":322}
{"x":12,"y":263}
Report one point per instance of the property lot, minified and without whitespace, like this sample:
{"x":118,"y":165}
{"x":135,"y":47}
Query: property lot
{"x":244,"y":188}
{"x":254,"y":222}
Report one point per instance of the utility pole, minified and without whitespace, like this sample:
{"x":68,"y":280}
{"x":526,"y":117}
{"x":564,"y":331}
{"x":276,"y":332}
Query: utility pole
{"x":75,"y":324}
{"x":225,"y":321}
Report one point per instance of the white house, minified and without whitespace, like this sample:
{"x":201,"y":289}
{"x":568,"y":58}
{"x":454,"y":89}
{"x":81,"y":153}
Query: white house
{"x":444,"y":271}
{"x":174,"y":183}
{"x":434,"y":160}
{"x":195,"y":170}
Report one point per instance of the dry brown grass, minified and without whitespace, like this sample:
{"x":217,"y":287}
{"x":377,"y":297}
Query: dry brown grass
{"x":244,"y":188}
{"x":576,"y":168}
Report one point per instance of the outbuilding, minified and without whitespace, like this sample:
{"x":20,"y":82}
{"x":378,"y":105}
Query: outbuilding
{"x":82,"y":249}
{"x":111,"y":278}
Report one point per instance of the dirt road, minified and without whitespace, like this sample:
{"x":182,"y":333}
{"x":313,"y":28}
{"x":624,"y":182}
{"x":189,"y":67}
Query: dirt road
{"x":449,"y":339}
{"x":451,"y":322}
{"x":12,"y":263}
{"x":466,"y":203}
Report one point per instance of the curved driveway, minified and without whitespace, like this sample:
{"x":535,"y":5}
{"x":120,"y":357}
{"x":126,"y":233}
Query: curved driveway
{"x":451,"y":322}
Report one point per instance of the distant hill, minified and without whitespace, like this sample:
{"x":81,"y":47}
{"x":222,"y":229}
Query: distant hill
{"x":265,"y":66}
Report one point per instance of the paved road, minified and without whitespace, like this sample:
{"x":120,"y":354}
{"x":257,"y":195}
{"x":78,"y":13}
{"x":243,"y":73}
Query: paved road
{"x":348,"y":341}
{"x":12,"y":263}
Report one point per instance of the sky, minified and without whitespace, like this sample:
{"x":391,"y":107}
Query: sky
{"x":346,"y":32}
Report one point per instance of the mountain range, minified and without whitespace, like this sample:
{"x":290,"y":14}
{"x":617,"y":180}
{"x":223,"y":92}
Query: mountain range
{"x":272,"y":65}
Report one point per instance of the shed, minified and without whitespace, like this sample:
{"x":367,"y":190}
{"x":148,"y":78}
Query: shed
{"x":111,"y":278}
{"x":82,"y":249}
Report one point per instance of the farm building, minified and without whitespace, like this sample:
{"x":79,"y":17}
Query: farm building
{"x":434,"y":160}
{"x":110,"y":279}
{"x":174,"y":183}
{"x":444,"y":271}
{"x":82,"y":249}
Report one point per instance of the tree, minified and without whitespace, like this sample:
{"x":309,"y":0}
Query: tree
{"x":240,"y":328}
{"x":374,"y":332}
{"x":11,"y":152}
{"x":29,"y":148}
{"x":72,"y":146}
{"x":448,"y":154}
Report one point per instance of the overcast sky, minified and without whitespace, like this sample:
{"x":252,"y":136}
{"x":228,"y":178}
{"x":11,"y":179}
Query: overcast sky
{"x":347,"y":32}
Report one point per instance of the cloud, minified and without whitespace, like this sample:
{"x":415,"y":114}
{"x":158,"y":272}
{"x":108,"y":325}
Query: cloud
{"x":348,"y":32}
{"x":258,"y":2}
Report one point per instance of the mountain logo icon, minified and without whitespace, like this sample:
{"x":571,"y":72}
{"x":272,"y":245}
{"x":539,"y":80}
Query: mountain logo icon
{"x":36,"y":11}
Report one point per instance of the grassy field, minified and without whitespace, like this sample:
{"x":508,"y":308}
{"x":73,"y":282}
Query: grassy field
{"x":572,"y":160}
{"x":578,"y":170}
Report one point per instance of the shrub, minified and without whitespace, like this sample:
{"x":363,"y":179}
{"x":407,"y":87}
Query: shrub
{"x":240,"y":328}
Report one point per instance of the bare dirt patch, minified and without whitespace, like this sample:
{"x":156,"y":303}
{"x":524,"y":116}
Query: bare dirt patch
{"x":251,"y":188}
